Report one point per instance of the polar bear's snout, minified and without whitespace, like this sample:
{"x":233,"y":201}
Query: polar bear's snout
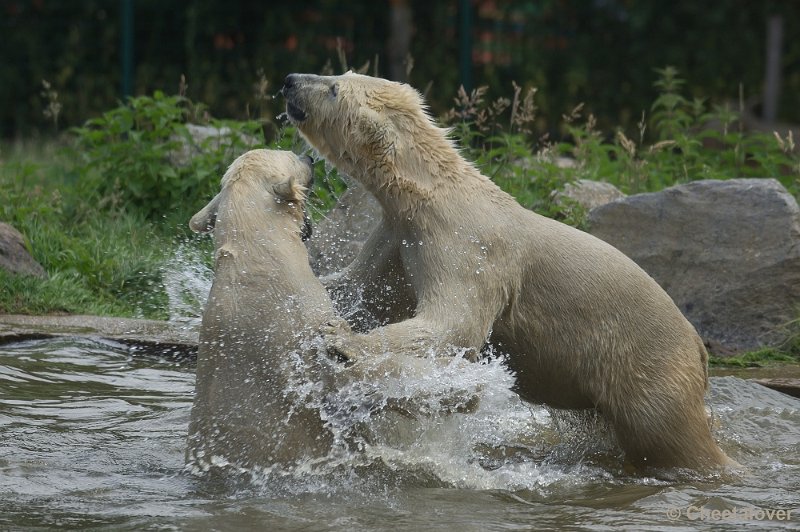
{"x":290,"y":91}
{"x":294,"y":112}
{"x":289,"y":83}
{"x":304,"y":92}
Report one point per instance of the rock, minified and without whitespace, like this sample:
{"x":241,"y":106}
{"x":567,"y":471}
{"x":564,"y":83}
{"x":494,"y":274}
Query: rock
{"x":14,"y":256}
{"x":588,"y":194}
{"x":339,"y":236}
{"x":204,"y":138}
{"x":728,"y":252}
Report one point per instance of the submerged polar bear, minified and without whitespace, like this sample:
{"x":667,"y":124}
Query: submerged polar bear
{"x":261,"y":378}
{"x":583,"y":325}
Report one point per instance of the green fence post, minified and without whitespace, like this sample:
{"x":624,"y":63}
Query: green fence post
{"x":126,"y":56}
{"x":465,"y":47}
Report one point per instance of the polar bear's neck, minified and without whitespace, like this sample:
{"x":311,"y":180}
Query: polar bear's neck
{"x":415,"y":169}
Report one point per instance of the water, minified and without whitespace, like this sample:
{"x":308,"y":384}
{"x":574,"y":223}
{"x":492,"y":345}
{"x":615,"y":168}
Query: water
{"x":92,"y":436}
{"x":187,"y":280}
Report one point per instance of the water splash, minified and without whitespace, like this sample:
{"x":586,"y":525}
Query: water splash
{"x":454,"y":425}
{"x":450,"y":425}
{"x":187,"y":280}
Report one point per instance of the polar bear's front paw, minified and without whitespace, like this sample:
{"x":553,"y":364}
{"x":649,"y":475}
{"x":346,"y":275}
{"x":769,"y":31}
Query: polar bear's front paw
{"x":337,"y":346}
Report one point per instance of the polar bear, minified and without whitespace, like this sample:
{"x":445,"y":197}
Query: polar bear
{"x":465,"y":264}
{"x":262,"y":369}
{"x":264,"y":303}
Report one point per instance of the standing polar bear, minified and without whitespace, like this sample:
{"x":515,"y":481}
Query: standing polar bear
{"x":582,"y":324}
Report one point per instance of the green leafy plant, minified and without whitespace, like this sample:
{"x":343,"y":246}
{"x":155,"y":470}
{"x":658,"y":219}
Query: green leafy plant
{"x":142,"y":155}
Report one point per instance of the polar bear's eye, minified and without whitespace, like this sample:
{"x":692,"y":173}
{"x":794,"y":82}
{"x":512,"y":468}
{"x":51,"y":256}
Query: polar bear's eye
{"x":334,"y":90}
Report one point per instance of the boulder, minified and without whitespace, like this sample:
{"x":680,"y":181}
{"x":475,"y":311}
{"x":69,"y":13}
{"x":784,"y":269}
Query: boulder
{"x":339,"y":236}
{"x":588,"y":194}
{"x":14,"y":256}
{"x":728,"y":252}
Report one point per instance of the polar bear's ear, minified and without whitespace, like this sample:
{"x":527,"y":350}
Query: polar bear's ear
{"x":204,"y":221}
{"x":372,"y":127}
{"x":288,"y":190}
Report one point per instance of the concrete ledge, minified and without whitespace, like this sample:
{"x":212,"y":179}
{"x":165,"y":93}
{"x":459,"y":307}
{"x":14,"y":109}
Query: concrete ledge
{"x":784,"y":385}
{"x":152,"y":337}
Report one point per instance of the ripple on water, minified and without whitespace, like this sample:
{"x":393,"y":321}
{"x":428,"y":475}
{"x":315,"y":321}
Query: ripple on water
{"x":84,"y":423}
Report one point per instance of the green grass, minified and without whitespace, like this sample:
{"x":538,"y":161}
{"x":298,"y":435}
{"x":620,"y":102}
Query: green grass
{"x":98,"y":261}
{"x":110,"y":267}
{"x":756,"y":359}
{"x":60,"y":293}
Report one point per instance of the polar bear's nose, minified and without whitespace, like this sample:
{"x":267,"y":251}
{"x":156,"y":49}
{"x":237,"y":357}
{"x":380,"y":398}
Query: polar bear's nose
{"x":289,"y":82}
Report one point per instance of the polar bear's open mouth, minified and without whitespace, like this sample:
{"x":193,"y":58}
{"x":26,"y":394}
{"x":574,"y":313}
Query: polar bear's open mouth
{"x":294,"y":112}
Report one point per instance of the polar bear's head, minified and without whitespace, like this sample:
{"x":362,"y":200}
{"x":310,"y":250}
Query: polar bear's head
{"x":355,"y":119}
{"x":260,"y":187}
{"x":375,"y":130}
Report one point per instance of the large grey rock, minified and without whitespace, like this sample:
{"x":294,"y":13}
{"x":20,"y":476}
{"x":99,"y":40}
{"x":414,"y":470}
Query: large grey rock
{"x":339,"y":236}
{"x":14,"y":256}
{"x":728,"y":252}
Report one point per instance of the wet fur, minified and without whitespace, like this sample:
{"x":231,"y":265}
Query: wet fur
{"x":583,"y":325}
{"x":265,"y":303}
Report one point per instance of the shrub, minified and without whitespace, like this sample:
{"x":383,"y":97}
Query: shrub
{"x":132,"y":156}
